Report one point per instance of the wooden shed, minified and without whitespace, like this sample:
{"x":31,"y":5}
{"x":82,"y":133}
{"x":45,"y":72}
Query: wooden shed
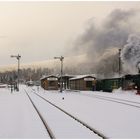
{"x":83,"y":82}
{"x":65,"y":80}
{"x":49,"y":82}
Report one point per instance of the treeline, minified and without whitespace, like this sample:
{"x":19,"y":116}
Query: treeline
{"x":25,"y":74}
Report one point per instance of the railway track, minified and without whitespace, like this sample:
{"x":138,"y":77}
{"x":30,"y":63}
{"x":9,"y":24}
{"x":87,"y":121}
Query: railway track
{"x":123,"y":100}
{"x":112,"y":99}
{"x":41,"y":117}
{"x":76,"y":120}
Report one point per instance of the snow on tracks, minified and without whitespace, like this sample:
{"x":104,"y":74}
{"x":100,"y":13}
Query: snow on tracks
{"x":62,"y":124}
{"x":111,"y":99}
{"x":18,"y":119}
{"x":113,"y":119}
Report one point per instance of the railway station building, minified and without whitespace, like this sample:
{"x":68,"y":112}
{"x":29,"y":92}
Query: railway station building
{"x":83,"y":82}
{"x":49,"y":82}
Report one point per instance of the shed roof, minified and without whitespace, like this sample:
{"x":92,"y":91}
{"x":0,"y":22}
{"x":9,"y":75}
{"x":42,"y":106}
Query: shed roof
{"x":47,"y":76}
{"x":66,"y":75}
{"x":82,"y":76}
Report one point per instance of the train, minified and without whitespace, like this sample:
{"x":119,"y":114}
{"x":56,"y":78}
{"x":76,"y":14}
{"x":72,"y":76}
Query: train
{"x":88,"y":82}
{"x":127,"y":82}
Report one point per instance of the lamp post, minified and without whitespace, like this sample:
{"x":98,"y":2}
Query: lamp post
{"x":18,"y":58}
{"x":61,"y":58}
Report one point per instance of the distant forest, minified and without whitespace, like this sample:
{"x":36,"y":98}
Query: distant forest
{"x":24,"y":74}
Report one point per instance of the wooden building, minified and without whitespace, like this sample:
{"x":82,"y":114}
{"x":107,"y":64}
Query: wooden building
{"x":65,"y":80}
{"x":49,"y":82}
{"x":83,"y":82}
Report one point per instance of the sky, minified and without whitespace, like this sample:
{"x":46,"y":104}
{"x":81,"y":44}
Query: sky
{"x":38,"y":31}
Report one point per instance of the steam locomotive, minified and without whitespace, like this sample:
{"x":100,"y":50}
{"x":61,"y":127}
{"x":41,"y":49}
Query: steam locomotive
{"x":127,"y":82}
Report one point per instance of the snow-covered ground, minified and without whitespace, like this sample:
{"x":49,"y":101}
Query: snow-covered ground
{"x":112,"y":119}
{"x":62,"y":125}
{"x":19,"y":119}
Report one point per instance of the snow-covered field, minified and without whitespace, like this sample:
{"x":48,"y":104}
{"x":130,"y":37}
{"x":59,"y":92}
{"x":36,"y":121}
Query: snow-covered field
{"x":62,"y":125}
{"x":114,"y":120}
{"x":18,"y":118}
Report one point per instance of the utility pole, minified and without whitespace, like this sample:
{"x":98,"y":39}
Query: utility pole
{"x":119,"y":62}
{"x":18,"y":58}
{"x":61,"y":72}
{"x":138,"y":66}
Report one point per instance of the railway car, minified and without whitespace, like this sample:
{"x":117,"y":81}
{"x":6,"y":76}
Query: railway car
{"x":135,"y":82}
{"x":127,"y":82}
{"x":99,"y":85}
{"x":108,"y":85}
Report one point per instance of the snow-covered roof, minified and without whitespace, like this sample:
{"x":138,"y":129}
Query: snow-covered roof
{"x":82,"y":76}
{"x":68,"y":75}
{"x":65,"y":75}
{"x":46,"y":76}
{"x":113,"y":77}
{"x":43,"y":77}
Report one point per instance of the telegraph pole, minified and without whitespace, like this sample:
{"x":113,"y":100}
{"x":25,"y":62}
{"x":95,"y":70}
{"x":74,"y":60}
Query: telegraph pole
{"x":18,"y":58}
{"x":61,"y":72}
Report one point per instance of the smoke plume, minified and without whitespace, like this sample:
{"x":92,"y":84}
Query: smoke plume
{"x":100,"y":42}
{"x":130,"y":54}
